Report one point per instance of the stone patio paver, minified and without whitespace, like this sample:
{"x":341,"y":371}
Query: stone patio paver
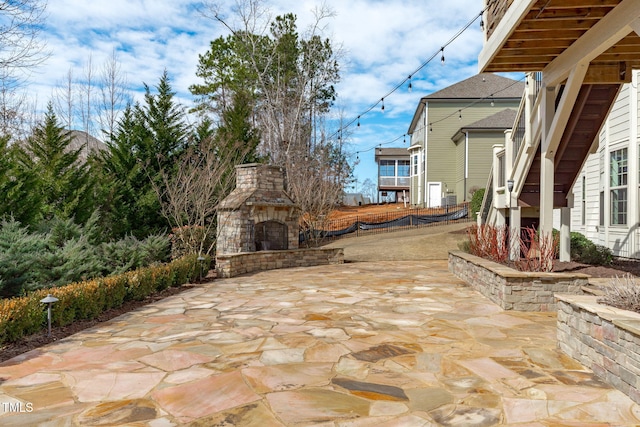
{"x":390,"y":343}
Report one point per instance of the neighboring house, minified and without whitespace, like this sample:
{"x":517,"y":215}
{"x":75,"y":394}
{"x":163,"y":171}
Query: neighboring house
{"x":393,"y":174}
{"x":474,"y":151}
{"x":355,"y":199}
{"x":452,"y":133}
{"x":606,"y":208}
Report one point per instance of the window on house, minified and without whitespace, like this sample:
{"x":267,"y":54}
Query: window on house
{"x":602,"y":208}
{"x":415,"y":164}
{"x":584,"y":200}
{"x":618,"y":186}
{"x":387,"y":168}
{"x":500,"y":170}
{"x":403,"y":168}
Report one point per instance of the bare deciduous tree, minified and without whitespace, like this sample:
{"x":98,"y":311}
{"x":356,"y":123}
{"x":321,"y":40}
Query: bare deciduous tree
{"x":113,"y":95}
{"x":20,"y":25}
{"x":292,"y":76}
{"x":64,"y":100}
{"x":190,"y":198}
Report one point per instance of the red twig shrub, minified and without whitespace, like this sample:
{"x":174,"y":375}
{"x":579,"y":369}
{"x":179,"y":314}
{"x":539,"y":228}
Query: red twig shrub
{"x":490,"y":242}
{"x":538,"y":251}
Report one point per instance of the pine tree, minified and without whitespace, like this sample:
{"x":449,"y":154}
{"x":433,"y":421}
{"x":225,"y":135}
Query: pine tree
{"x":148,"y":142}
{"x":20,"y":200}
{"x":63,"y":180}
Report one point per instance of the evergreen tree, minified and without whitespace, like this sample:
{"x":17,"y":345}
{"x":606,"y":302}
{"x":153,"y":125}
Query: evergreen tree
{"x":63,"y":180}
{"x":148,"y":143}
{"x":20,"y":200}
{"x":236,"y":128}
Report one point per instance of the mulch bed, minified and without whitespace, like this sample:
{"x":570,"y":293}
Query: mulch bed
{"x":618,"y":268}
{"x":39,"y":339}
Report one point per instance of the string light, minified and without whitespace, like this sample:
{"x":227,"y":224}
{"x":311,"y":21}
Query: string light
{"x":424,"y":64}
{"x":404,"y":139}
{"x":481,"y":21}
{"x":476,"y":102}
{"x":492,"y":103}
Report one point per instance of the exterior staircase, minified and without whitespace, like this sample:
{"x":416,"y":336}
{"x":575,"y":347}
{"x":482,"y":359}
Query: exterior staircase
{"x":578,"y":140}
{"x":588,"y":115}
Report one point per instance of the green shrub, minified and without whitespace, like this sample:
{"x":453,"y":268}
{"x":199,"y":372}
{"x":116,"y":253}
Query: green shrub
{"x":20,"y":316}
{"x":114,"y":289}
{"x":139,"y":284}
{"x":21,"y":256}
{"x":585,"y":251}
{"x":476,"y":202}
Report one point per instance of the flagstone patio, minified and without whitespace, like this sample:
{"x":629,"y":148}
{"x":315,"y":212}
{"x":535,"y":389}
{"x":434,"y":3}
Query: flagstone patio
{"x":373,"y":343}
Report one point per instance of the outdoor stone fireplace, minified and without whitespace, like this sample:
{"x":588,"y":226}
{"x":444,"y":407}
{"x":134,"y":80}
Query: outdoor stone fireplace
{"x":258,"y":214}
{"x":258,"y":226}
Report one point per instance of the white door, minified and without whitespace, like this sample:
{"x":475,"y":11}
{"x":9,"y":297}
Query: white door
{"x":435,"y":194}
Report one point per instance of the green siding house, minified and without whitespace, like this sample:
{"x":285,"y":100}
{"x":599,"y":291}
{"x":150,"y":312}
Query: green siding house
{"x":452,"y":134}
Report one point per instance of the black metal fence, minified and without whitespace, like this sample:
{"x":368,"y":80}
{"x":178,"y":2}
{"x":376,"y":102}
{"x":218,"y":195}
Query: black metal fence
{"x":385,"y":222}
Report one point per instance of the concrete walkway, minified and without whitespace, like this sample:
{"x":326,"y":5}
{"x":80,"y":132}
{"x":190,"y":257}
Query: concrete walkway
{"x":361,"y":344}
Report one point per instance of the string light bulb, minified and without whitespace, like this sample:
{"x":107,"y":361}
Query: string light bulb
{"x":410,"y":85}
{"x":459,"y":114}
{"x":492,"y":102}
{"x":430,"y":127}
{"x":358,"y":121}
{"x":404,"y":139}
{"x":481,"y":21}
{"x":382,"y":99}
{"x":442,"y":55}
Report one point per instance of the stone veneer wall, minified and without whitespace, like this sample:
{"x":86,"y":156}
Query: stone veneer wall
{"x":512,"y":289}
{"x":604,"y":339}
{"x":248,"y":262}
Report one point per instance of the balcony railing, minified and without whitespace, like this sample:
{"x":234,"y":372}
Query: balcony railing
{"x":393,"y":181}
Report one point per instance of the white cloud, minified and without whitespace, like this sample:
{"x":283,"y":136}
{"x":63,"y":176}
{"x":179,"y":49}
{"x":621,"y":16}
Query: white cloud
{"x":383,"y":42}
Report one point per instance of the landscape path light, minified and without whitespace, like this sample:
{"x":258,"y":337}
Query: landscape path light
{"x":49,"y":300}
{"x":201,"y":260}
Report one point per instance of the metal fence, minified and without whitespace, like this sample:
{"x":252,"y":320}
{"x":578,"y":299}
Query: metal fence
{"x":369,"y":224}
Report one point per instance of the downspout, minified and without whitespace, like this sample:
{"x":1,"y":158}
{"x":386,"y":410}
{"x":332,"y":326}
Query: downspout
{"x":424,"y":156}
{"x":466,"y":163}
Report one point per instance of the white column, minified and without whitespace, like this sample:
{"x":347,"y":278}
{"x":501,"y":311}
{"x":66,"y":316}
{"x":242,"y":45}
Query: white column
{"x":565,"y":234}
{"x":546,"y":163}
{"x":515,"y":215}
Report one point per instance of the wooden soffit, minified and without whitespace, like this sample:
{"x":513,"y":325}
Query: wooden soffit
{"x":528,"y":35}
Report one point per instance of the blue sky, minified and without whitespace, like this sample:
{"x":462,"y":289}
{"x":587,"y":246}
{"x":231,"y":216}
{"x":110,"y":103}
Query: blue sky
{"x":382,"y":43}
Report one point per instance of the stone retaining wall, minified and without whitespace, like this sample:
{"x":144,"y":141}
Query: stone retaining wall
{"x":604,"y":339}
{"x":512,"y":289}
{"x":247,"y":262}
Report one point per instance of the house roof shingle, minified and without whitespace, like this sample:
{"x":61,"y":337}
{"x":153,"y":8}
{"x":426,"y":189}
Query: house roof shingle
{"x":502,"y":120}
{"x":481,"y":86}
{"x":391,"y":152}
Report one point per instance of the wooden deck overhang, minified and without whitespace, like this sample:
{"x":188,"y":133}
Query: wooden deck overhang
{"x":553,"y":35}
